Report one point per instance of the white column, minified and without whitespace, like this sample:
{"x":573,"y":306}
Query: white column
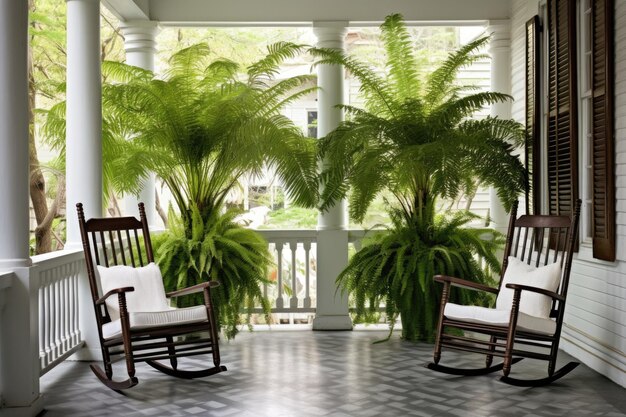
{"x":19,"y":372}
{"x":332,"y":240}
{"x":84,"y":143}
{"x":500,"y":50}
{"x":140,"y":45}
{"x":84,"y":115}
{"x":14,"y":213}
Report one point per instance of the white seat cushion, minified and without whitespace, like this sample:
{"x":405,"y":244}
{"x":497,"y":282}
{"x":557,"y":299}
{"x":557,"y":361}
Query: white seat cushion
{"x":149,"y":294}
{"x":483,"y":315}
{"x":517,"y":272}
{"x":143,"y":320}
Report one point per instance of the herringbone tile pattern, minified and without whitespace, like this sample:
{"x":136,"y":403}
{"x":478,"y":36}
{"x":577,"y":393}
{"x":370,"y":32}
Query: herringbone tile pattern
{"x":335,"y":374}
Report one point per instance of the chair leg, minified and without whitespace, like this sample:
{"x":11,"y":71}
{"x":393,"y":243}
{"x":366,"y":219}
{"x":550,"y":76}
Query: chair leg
{"x":510,"y":337}
{"x":130,"y":363}
{"x":489,"y":358}
{"x":508,"y":360}
{"x":106,"y":358}
{"x":212,"y":328}
{"x":128,"y":346}
{"x":437,"y":354}
{"x":171,"y":350}
{"x":440,"y":326}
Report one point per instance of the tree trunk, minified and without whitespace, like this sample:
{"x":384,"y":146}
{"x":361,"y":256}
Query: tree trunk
{"x":162,"y":213}
{"x":37,"y":184}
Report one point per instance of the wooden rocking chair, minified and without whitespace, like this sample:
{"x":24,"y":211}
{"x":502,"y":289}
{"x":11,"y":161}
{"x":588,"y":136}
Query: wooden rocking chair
{"x":133,"y":316}
{"x":527,"y":320}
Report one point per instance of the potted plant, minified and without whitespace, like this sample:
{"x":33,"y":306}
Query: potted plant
{"x":416,"y":139}
{"x":200,"y":129}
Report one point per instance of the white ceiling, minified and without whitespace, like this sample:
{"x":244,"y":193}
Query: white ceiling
{"x":305,"y":12}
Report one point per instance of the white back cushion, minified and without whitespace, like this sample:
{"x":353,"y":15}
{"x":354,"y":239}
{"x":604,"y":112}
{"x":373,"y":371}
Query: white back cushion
{"x":149,"y":294}
{"x":517,"y":272}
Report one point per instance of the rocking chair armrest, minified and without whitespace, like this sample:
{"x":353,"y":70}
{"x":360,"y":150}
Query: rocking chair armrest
{"x":543,"y":291}
{"x":122,"y":290}
{"x":193,"y":289}
{"x":458,"y":282}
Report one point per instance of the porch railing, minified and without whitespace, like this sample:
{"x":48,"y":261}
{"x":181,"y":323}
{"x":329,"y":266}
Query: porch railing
{"x":56,"y":276}
{"x":294,"y":272}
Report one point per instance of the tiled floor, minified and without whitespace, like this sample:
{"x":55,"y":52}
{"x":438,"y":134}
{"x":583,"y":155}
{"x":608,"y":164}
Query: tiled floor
{"x":335,"y":374}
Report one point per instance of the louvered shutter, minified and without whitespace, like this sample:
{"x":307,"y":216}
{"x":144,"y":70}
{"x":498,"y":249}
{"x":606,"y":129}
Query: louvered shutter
{"x":533,"y":117}
{"x":603,"y":160}
{"x":562,"y":150}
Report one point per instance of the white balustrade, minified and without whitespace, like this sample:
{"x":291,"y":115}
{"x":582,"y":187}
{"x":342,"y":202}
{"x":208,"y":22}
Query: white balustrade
{"x":56,"y":277}
{"x":355,"y":237}
{"x":295,"y":273}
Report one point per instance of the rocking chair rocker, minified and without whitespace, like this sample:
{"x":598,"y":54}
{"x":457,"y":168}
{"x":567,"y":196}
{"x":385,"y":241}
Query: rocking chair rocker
{"x":133,"y":316}
{"x":531,"y":295}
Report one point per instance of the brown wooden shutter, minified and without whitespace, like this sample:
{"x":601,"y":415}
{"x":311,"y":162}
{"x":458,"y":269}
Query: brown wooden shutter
{"x":603,"y":159}
{"x":562,"y":150}
{"x":533,"y":117}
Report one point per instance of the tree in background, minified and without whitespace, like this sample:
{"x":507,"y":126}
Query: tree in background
{"x":46,"y":74}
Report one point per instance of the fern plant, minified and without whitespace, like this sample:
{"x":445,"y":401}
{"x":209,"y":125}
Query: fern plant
{"x":200,"y":128}
{"x":397,"y":268}
{"x":218,"y":247}
{"x":416,"y":138}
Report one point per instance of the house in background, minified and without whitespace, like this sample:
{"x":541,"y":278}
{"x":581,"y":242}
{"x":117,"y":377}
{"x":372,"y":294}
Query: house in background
{"x":563,"y":61}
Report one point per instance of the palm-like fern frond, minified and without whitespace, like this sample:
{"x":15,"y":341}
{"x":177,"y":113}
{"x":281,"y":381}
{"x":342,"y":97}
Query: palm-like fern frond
{"x":260,"y":72}
{"x":401,"y":62}
{"x":442,"y":80}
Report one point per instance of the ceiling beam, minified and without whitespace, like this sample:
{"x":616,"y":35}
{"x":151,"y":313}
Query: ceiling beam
{"x":304,"y":12}
{"x":126,"y":10}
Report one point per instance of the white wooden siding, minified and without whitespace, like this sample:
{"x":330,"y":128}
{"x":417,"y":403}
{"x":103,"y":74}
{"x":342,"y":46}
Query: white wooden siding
{"x":595,"y":318}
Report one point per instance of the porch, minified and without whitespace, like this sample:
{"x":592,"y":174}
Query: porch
{"x":42,"y":321}
{"x":302,"y":373}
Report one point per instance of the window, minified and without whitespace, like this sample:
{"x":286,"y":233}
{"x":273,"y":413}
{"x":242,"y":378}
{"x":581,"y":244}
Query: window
{"x":577,"y":139}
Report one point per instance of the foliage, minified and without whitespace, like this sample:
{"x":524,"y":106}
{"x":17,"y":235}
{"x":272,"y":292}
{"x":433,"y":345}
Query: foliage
{"x":218,"y":250}
{"x":47,"y":73}
{"x":396,"y":267}
{"x":292,"y":218}
{"x":418,"y":141}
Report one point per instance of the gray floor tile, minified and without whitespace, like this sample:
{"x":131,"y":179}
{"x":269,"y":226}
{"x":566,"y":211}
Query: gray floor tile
{"x":307,"y":374}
